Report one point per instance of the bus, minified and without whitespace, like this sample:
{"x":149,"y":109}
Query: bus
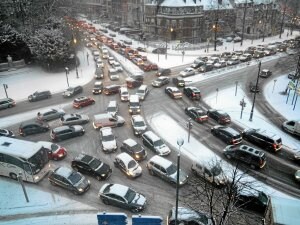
{"x":23,"y":158}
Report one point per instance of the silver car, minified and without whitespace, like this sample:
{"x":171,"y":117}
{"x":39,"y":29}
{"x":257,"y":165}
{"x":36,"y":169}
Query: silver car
{"x":74,"y":119}
{"x":128,"y":165}
{"x":187,"y":72}
{"x":50,"y":114}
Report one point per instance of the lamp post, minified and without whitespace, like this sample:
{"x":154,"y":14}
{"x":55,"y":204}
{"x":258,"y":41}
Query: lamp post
{"x":244,"y":18}
{"x":75,"y":41}
{"x":180,"y":142}
{"x":171,"y":30}
{"x":282,"y":21}
{"x":189,"y":125}
{"x":67,"y":72}
{"x":256,"y":86}
{"x":215,"y":27}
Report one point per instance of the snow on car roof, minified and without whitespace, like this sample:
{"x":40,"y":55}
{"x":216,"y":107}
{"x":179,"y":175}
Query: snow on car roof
{"x":137,"y":118}
{"x":161,"y":161}
{"x":118,"y":189}
{"x":125,"y":157}
{"x":130,"y":142}
{"x":173,"y":88}
{"x":106,"y":131}
{"x":64,"y":171}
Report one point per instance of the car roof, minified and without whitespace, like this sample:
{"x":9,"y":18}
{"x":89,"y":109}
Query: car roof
{"x":228,"y":129}
{"x":151,"y":135}
{"x":117,"y":189}
{"x":31,"y":122}
{"x":143,"y":87}
{"x":267,"y":133}
{"x":125,"y":157}
{"x":251,"y":150}
{"x":84,"y":158}
{"x":63,"y":171}
{"x":173,"y":88}
{"x":137,"y":118}
{"x":106,"y":131}
{"x":61,"y":128}
{"x":265,"y":70}
{"x":161,"y":161}
{"x":66,"y":116}
{"x":130,"y":142}
{"x":81,"y":98}
{"x":6,"y":99}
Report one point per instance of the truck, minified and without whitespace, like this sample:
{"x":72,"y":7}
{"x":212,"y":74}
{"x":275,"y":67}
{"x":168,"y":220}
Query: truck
{"x":292,"y":126}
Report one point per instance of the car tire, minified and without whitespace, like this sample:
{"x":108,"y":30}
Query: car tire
{"x":52,"y":183}
{"x":9,"y":106}
{"x":45,"y":130}
{"x":105,"y":201}
{"x":75,"y":192}
{"x":13,"y":176}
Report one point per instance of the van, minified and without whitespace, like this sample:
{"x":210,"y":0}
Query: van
{"x":124,"y":95}
{"x":107,"y":120}
{"x":179,"y":81}
{"x":39,"y":95}
{"x":112,"y":108}
{"x":134,"y":104}
{"x":153,"y":142}
{"x":105,"y":54}
{"x":98,"y":86}
{"x":142,"y":92}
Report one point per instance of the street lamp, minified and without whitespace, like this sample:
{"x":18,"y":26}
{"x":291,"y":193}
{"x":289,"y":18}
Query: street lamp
{"x":180,"y":142}
{"x":75,"y":41}
{"x":171,"y":30}
{"x":256,"y":87}
{"x":67,"y":72}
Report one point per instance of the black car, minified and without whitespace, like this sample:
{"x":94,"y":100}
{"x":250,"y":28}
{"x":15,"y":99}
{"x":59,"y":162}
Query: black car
{"x":66,"y":132}
{"x":252,"y":199}
{"x":33,"y":127}
{"x":246,"y":154}
{"x":188,"y":216}
{"x":196,"y":114}
{"x":111,"y":89}
{"x":264,"y":139}
{"x":159,"y":51}
{"x":39,"y":95}
{"x":71,"y":91}
{"x":218,"y":115}
{"x":197,"y":63}
{"x":91,"y":166}
{"x":192,"y":92}
{"x":6,"y":133}
{"x":163,"y":72}
{"x":134,"y":149}
{"x":69,"y":179}
{"x":122,"y":196}
{"x":227,"y":134}
{"x":206,"y":68}
{"x":178,"y":81}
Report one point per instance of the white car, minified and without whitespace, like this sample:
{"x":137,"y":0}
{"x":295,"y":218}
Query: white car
{"x":128,"y":165}
{"x":113,"y":74}
{"x":117,"y":66}
{"x":187,"y":72}
{"x":99,"y":63}
{"x":108,"y":140}
{"x":111,"y":60}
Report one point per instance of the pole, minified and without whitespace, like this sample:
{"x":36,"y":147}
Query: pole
{"x":295,"y":102}
{"x":23,"y":186}
{"x":217,"y":90}
{"x":295,"y":91}
{"x":282,"y":21}
{"x":177,"y":187}
{"x":166,"y":47}
{"x":244,"y":18}
{"x":274,"y":85}
{"x":243,"y":105}
{"x":77,"y":76}
{"x":236,"y":84}
{"x":256,"y":86}
{"x":189,"y":128}
{"x":67,"y":72}
{"x":264,"y":25}
{"x":5,"y":86}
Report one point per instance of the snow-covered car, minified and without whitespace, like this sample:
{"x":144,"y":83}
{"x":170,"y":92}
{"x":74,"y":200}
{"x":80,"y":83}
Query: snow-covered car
{"x":220,"y":64}
{"x":233,"y":61}
{"x":50,"y":114}
{"x":265,"y":73}
{"x":99,"y":63}
{"x":139,"y":125}
{"x":128,"y":165}
{"x":187,"y":72}
{"x":197,"y":63}
{"x":173,"y":92}
{"x":74,"y":119}
{"x":108,"y":140}
{"x":117,"y":66}
{"x":113,"y":74}
{"x":111,"y":60}
{"x":237,"y":39}
{"x":6,"y":133}
{"x":159,"y":82}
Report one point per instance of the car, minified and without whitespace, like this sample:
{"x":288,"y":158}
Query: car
{"x":140,"y":49}
{"x":7,"y":103}
{"x":173,"y":92}
{"x":219,"y":115}
{"x":163,"y":72}
{"x":263,"y":138}
{"x":159,"y":51}
{"x":108,"y":140}
{"x":220,"y":64}
{"x":227,"y":134}
{"x":98,"y":86}
{"x":91,"y":166}
{"x":69,"y":179}
{"x":74,"y":119}
{"x":187,"y":72}
{"x":71,"y":91}
{"x":139,"y":125}
{"x":178,"y":81}
{"x":246,"y":57}
{"x":112,"y":34}
{"x":192,"y":93}
{"x":197,"y":63}
{"x":293,"y":76}
{"x":128,"y":165}
{"x":196,"y":114}
{"x":123,"y":197}
{"x":50,"y":114}
{"x":99,"y":73}
{"x":187,"y":216}
{"x":252,"y":199}
{"x":99,"y":63}
{"x":206,"y":68}
{"x":233,"y":61}
{"x":258,"y":54}
{"x":107,"y":120}
{"x":55,"y":151}
{"x":83,"y":101}
{"x":124,"y":94}
{"x":237,"y":39}
{"x":117,"y":66}
{"x":134,"y":149}
{"x":166,"y":170}
{"x":111,"y":89}
{"x":265,"y":73}
{"x":89,"y":44}
{"x":297,"y":175}
{"x":142,"y":92}
{"x":33,"y":127}
{"x":156,"y":144}
{"x":111,"y":60}
{"x":6,"y":133}
{"x":160,"y":81}
{"x":112,"y":108}
{"x":66,"y":132}
{"x":246,"y":154}
{"x":39,"y":95}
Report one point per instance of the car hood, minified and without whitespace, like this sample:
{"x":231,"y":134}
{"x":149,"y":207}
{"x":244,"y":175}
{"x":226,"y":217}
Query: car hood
{"x":156,"y":82}
{"x":78,"y":127}
{"x":163,"y":149}
{"x":121,"y":119}
{"x":139,"y":199}
{"x":83,"y":183}
{"x":109,"y":144}
{"x":85,"y":117}
{"x":182,"y":177}
{"x":143,"y":128}
{"x":103,"y":169}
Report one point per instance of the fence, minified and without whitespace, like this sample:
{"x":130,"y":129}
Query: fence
{"x":15,"y":65}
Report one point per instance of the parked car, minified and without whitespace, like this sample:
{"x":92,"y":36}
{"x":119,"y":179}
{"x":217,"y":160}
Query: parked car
{"x":139,"y":125}
{"x":187,"y":72}
{"x":134,"y":149}
{"x":265,"y":73}
{"x":71,"y":91}
{"x":154,"y":143}
{"x":83,"y":101}
{"x":166,"y":170}
{"x":66,"y":132}
{"x":111,"y":89}
{"x":206,"y":68}
{"x":55,"y":151}
{"x":220,"y":64}
{"x":123,"y":197}
{"x":160,"y":81}
{"x":163,"y":72}
{"x":196,"y":114}
{"x":178,"y":81}
{"x":50,"y":114}
{"x":70,"y":180}
{"x":293,"y":76}
{"x":186,"y":216}
{"x":74,"y":119}
{"x":197,"y":63}
{"x":264,"y":139}
{"x":7,"y":103}
{"x":173,"y":92}
{"x":227,"y":134}
{"x":218,"y":115}
{"x":92,"y":166}
{"x":39,"y":95}
{"x":245,"y":57}
{"x":33,"y":127}
{"x":246,"y":154}
{"x":6,"y":133}
{"x":98,"y":86}
{"x":128,"y":165}
{"x":107,"y":120}
{"x":108,"y":140}
{"x":192,"y":92}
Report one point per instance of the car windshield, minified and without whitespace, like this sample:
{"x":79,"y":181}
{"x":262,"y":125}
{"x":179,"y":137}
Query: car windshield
{"x":74,"y":178}
{"x":263,"y":198}
{"x":132,"y":164}
{"x":54,"y":147}
{"x":108,"y":138}
{"x":130,"y":195}
{"x":70,"y":89}
{"x":134,"y":104}
{"x":140,"y":92}
{"x":95,"y":163}
{"x":171,"y":169}
{"x":136,"y":148}
{"x":124,"y":93}
{"x":37,"y":162}
{"x":111,"y":109}
{"x":158,"y":143}
{"x":139,"y":123}
{"x":176,"y":92}
{"x":216,"y":170}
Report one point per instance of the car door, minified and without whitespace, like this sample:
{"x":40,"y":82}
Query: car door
{"x":28,"y":129}
{"x":222,"y":135}
{"x":193,"y":114}
{"x":122,"y":166}
{"x":256,"y":138}
{"x":71,"y":120}
{"x":51,"y":114}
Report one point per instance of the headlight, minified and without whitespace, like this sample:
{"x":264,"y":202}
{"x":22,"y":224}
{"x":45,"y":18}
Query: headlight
{"x":103,"y":175}
{"x":36,"y":177}
{"x":138,"y":110}
{"x":89,"y":182}
{"x":130,"y":110}
{"x":137,"y":156}
{"x":60,"y":155}
{"x":80,"y":189}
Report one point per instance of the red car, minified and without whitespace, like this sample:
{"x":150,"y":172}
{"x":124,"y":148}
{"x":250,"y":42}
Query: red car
{"x":144,"y":58}
{"x":154,"y":67}
{"x":55,"y":151}
{"x":82,"y":102}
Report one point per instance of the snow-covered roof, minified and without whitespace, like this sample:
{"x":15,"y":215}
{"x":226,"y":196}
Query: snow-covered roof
{"x":130,"y":142}
{"x":207,"y":4}
{"x":255,"y":2}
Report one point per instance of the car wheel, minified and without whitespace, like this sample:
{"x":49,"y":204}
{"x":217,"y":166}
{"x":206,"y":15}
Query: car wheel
{"x":81,"y":133}
{"x":52,"y":183}
{"x":105,"y":201}
{"x":13,"y":176}
{"x":98,"y":178}
{"x":55,"y":159}
{"x":45,"y":130}
{"x":9,"y":106}
{"x":134,"y":210}
{"x":93,"y":103}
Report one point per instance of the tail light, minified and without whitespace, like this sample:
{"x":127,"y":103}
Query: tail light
{"x":21,"y":131}
{"x":193,"y":94}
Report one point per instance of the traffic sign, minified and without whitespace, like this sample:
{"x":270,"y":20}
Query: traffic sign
{"x":291,"y":85}
{"x":146,"y":220}
{"x":112,"y":218}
